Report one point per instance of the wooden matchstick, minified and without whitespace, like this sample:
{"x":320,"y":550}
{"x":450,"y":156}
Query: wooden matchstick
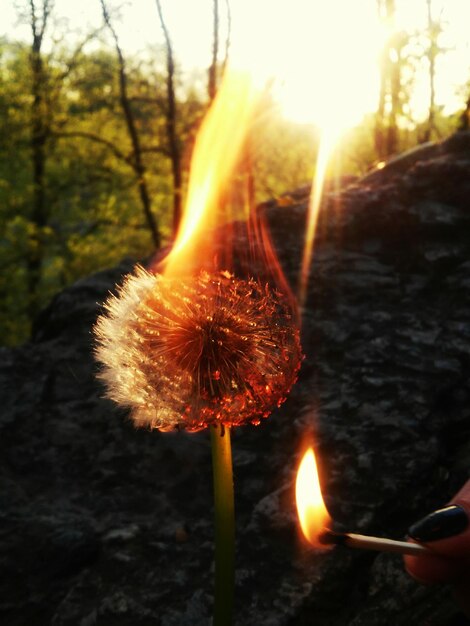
{"x":366,"y":542}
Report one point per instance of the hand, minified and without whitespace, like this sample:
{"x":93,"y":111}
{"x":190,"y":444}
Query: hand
{"x":446,"y":532}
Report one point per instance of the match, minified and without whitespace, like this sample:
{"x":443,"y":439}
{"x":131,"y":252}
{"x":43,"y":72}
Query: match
{"x":366,"y":542}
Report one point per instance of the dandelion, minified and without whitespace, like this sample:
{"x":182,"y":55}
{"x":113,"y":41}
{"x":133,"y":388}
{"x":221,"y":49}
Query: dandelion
{"x":188,"y":353}
{"x":193,"y":352}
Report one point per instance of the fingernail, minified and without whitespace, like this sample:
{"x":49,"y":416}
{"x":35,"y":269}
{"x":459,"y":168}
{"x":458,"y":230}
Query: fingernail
{"x":440,"y":524}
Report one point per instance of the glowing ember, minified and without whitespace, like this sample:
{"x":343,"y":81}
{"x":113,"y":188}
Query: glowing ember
{"x":313,"y":516}
{"x":187,"y":353}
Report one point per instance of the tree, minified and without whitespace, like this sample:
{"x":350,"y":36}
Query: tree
{"x":216,"y":69}
{"x":171,"y":130}
{"x":390,"y":97}
{"x":91,"y":203}
{"x":464,"y":118}
{"x":434,"y":31}
{"x":137,"y":161}
{"x":212,"y":72}
{"x":40,"y":133}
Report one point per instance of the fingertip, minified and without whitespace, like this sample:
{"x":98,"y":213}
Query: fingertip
{"x":430,"y":569}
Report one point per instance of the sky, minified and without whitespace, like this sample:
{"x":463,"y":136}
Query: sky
{"x":320,"y":51}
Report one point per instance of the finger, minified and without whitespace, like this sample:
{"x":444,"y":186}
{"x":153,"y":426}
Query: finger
{"x":431,"y":568}
{"x":446,"y":533}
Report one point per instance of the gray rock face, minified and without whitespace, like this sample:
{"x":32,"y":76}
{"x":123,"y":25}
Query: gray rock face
{"x":103,"y":524}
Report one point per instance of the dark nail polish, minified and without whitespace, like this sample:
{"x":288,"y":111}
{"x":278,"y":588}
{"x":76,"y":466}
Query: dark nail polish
{"x":443,"y":523}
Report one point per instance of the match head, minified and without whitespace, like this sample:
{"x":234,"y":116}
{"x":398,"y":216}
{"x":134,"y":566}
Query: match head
{"x":331,"y":538}
{"x":190,"y":352}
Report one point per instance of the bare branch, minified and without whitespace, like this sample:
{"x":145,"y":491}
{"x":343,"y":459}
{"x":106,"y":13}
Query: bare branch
{"x":39,"y":25}
{"x":229,"y":35}
{"x":97,"y":139}
{"x":137,"y":162}
{"x":156,"y":150}
{"x":75,"y":57}
{"x":112,"y":30}
{"x":46,"y":11}
{"x":212,"y":77}
{"x":32,"y":8}
{"x":174,"y":148}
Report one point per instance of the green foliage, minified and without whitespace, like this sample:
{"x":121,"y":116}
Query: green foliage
{"x":283,"y":154}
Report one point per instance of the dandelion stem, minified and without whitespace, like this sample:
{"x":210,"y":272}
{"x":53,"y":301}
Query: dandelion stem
{"x":224,"y":525}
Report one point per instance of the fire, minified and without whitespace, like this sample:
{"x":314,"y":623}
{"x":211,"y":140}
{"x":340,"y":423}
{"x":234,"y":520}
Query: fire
{"x":327,"y":142}
{"x":218,"y":149}
{"x":208,"y":336}
{"x":313,"y":515}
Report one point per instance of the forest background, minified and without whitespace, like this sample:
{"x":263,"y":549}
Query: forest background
{"x":95,"y":141}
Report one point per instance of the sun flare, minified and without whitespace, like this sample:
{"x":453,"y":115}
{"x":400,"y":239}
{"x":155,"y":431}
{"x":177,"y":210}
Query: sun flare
{"x":322,"y":58}
{"x":337,"y":81}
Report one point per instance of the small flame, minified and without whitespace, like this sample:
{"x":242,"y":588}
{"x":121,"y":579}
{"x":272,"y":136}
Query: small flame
{"x":313,"y":515}
{"x":328,"y":140}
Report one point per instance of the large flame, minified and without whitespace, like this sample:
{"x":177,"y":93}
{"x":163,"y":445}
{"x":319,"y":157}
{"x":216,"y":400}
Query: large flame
{"x":313,"y":515}
{"x":220,"y":166}
{"x":218,"y":150}
{"x":211,"y":335}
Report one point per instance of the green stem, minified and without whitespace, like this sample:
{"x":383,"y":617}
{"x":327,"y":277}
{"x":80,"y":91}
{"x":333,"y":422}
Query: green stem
{"x":224,"y":525}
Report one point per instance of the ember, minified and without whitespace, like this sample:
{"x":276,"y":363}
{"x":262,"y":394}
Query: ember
{"x":189,"y":353}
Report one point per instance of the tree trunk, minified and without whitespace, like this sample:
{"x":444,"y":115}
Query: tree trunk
{"x":386,"y":120}
{"x":432,"y":53}
{"x":212,"y":73}
{"x":394,"y":81}
{"x":171,"y":131}
{"x":379,"y":130}
{"x":137,"y":161}
{"x":464,"y":120}
{"x":39,"y":132}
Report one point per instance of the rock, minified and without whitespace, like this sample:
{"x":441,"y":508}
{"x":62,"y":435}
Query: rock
{"x":104,"y":524}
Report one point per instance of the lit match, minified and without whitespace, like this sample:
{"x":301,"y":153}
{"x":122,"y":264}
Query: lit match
{"x":367,"y":542}
{"x":315,"y":519}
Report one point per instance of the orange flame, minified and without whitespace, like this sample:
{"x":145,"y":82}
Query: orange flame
{"x":205,"y":241}
{"x":212,"y":333}
{"x":217,"y":151}
{"x":313,"y":515}
{"x":328,"y":140}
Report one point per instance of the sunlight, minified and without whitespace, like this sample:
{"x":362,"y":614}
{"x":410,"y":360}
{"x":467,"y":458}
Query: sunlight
{"x":322,"y":66}
{"x":336,"y":81}
{"x":304,"y":44}
{"x":322,"y":59}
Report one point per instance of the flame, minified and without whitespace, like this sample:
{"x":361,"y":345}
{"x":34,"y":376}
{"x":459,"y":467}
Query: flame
{"x":328,"y":139}
{"x":313,"y":515}
{"x":215,"y":206}
{"x":218,"y":150}
{"x":212,"y":332}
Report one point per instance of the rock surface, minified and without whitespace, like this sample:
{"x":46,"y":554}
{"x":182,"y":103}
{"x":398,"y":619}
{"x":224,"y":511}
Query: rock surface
{"x":102,"y":524}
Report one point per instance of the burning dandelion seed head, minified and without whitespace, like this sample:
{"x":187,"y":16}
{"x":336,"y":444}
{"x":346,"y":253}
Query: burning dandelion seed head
{"x":188,"y":353}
